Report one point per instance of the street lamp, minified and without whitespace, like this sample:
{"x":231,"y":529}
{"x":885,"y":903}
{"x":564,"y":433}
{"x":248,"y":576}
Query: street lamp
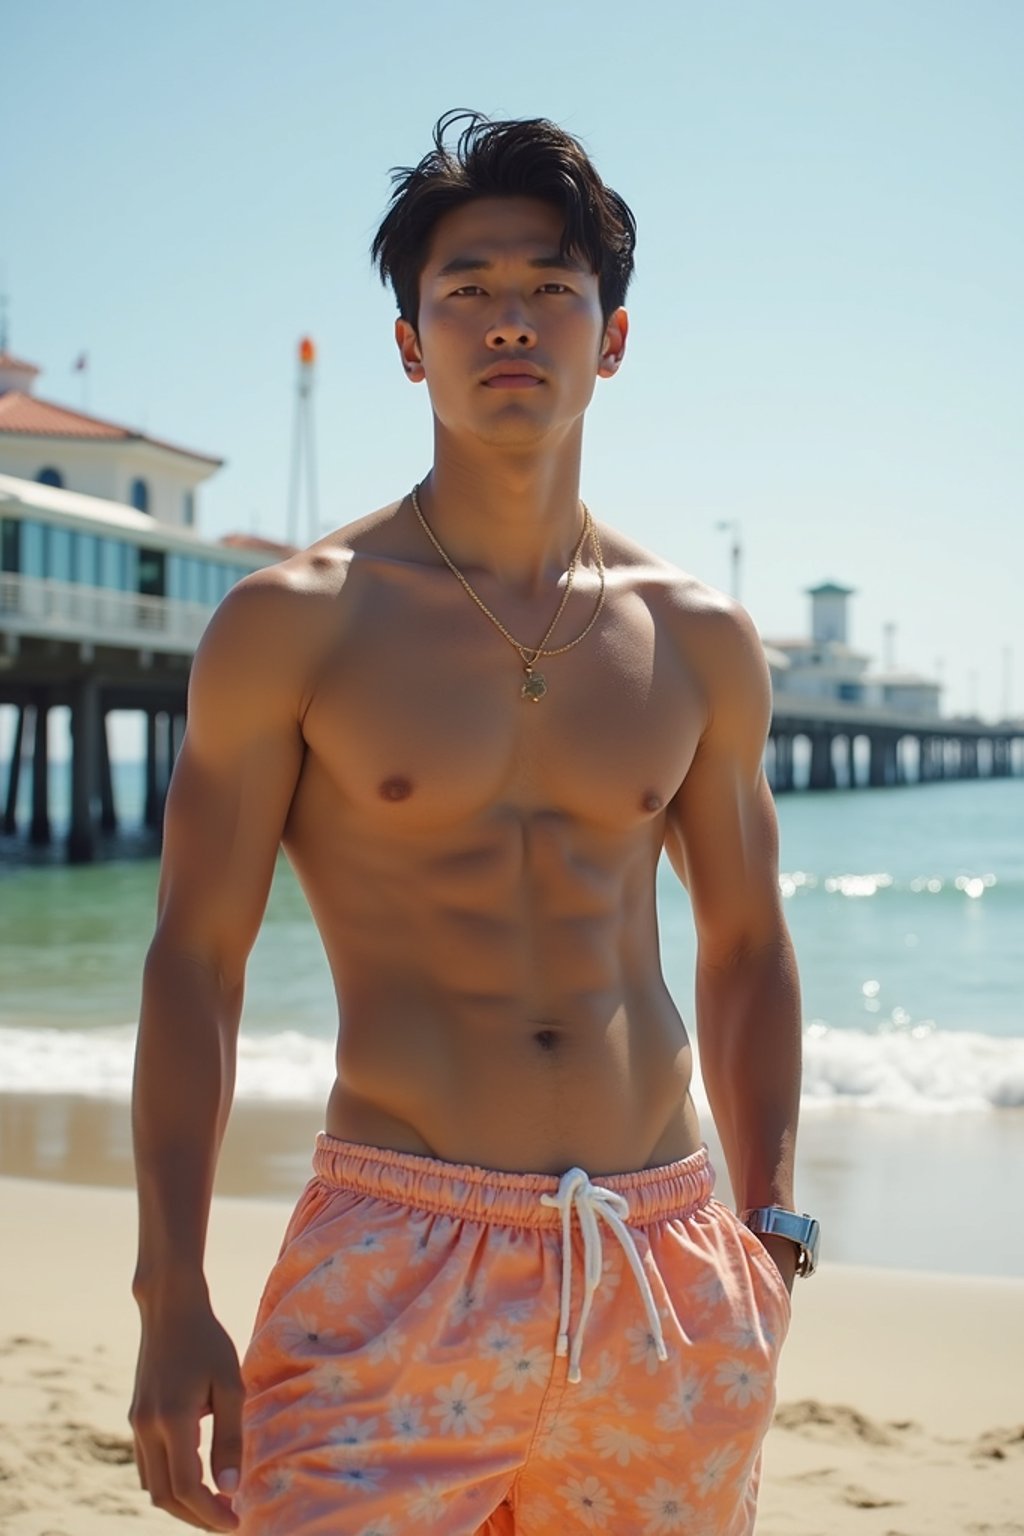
{"x":730,"y":525}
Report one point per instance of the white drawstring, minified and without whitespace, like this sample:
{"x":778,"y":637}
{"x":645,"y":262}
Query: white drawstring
{"x":591,"y":1201}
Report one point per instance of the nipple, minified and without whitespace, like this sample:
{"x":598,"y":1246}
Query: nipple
{"x":396,"y":788}
{"x":651,"y":801}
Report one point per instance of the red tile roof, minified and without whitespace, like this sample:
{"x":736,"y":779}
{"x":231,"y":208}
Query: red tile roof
{"x":8,"y":360}
{"x":27,"y":416}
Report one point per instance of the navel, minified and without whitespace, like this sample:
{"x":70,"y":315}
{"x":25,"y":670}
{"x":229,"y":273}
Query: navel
{"x":651,"y":801}
{"x":547,"y":1039}
{"x":396,"y":788}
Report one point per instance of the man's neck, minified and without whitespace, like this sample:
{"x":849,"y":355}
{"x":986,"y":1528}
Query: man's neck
{"x":515,"y":516}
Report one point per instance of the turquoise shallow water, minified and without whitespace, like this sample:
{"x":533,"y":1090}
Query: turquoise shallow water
{"x":906,"y":908}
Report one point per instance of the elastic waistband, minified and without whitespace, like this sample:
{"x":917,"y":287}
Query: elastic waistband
{"x":507,"y":1199}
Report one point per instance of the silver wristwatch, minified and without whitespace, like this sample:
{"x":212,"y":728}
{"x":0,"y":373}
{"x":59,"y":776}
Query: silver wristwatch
{"x":776,"y":1221}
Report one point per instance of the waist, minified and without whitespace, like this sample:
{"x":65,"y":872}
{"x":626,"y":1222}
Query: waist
{"x":467,"y":1190}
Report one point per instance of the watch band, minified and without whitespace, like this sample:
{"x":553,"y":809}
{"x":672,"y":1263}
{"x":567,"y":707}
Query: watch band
{"x":803,"y":1230}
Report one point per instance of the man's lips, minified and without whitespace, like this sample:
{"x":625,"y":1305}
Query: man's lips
{"x":512,"y":375}
{"x":512,"y":381}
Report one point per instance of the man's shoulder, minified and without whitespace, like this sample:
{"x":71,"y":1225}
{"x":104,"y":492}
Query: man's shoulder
{"x":311,"y":577}
{"x":679,"y":591}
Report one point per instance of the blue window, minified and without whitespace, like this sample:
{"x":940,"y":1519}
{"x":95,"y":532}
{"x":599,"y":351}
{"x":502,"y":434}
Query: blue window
{"x":112,"y":564}
{"x":10,"y":544}
{"x":33,"y":551}
{"x":140,"y":495}
{"x":58,"y":554}
{"x":85,"y":559}
{"x":50,"y":476}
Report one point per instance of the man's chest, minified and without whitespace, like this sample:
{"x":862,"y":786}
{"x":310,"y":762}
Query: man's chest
{"x":430,"y":717}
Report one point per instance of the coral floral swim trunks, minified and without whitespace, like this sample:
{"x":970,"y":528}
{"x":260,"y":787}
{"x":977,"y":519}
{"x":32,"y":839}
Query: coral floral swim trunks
{"x":448,"y":1349}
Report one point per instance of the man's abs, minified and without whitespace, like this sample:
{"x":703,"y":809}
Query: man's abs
{"x":611,"y":1096}
{"x":500,"y":992}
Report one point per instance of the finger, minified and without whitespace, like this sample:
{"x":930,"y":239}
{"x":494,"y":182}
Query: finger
{"x":161,"y":1494}
{"x":226,"y":1448}
{"x":138,"y":1450}
{"x":186,"y":1480}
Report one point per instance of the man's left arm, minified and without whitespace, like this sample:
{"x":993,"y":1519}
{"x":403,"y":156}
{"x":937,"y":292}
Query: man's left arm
{"x":722,"y":839}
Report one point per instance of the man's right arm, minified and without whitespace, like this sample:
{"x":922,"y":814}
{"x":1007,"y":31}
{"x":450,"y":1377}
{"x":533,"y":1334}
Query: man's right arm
{"x":226,"y":809}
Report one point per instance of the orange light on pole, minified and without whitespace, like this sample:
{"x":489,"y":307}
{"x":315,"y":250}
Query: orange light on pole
{"x":302,"y":444}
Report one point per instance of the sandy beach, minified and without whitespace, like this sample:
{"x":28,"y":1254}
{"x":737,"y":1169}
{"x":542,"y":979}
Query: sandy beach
{"x":900,"y":1409}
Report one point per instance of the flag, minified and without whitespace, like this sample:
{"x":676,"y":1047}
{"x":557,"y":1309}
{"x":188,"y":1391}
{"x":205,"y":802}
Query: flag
{"x":81,"y":362}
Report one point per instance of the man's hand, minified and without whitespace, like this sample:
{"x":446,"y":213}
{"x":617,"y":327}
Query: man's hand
{"x":187,"y":1368}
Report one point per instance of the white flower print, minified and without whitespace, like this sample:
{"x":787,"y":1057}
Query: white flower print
{"x":666,"y":1508}
{"x":742,"y":1384}
{"x":611,"y":1440}
{"x":466,"y":1302}
{"x":598,"y":1383}
{"x":522,"y":1368}
{"x":712,"y":1474}
{"x":386,"y":1346}
{"x":679,"y":1407}
{"x":498,"y":1339}
{"x":428,"y":1504}
{"x":350,"y":1438}
{"x":745,"y":1337}
{"x":518,"y":1311}
{"x":406,"y":1417}
{"x":643,"y":1346}
{"x":378,"y":1289}
{"x":710,"y":1290}
{"x":589,"y":1501}
{"x":460,"y":1408}
{"x":362,"y":1476}
{"x":325,"y":1277}
{"x":300,"y":1333}
{"x":559,"y":1438}
{"x":611,"y":1273}
{"x":333,"y":1381}
{"x":278,"y":1482}
{"x":383,"y":1526}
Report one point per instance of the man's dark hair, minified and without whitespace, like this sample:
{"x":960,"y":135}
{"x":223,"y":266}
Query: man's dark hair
{"x":529,"y":157}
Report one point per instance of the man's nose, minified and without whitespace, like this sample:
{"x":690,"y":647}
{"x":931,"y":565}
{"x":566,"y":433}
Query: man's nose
{"x":511,"y":329}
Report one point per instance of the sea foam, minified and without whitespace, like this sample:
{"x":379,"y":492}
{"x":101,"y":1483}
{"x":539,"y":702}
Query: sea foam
{"x":916,"y":1070}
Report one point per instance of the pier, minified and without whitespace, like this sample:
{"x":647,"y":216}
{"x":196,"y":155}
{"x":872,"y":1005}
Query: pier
{"x":847,"y":746}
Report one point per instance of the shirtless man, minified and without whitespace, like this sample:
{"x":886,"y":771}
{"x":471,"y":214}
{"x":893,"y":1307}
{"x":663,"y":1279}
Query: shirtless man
{"x":508,"y":1300}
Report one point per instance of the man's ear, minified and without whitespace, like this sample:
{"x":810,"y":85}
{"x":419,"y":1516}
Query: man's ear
{"x":409,"y":349}
{"x":613,"y":346}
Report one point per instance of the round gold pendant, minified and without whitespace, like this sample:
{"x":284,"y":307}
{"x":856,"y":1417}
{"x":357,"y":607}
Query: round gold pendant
{"x":535,"y":687}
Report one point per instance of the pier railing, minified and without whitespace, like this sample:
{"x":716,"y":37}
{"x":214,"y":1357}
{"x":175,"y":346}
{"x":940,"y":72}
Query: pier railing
{"x":63,"y":610}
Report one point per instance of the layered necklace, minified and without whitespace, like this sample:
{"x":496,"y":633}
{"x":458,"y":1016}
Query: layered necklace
{"x":535,"y":684}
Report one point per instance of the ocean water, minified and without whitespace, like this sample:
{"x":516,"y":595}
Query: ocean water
{"x":906,"y":908}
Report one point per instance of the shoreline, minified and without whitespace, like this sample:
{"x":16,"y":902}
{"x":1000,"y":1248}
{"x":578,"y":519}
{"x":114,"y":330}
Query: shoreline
{"x":882,"y":1184}
{"x":896,"y":1411}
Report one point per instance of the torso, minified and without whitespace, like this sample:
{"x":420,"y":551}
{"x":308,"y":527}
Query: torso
{"x":482,"y":868}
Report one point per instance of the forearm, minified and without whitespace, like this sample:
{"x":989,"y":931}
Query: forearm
{"x":184,"y":1081}
{"x":749,"y":1037}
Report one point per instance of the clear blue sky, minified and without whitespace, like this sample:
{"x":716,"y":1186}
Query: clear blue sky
{"x":828,"y":318}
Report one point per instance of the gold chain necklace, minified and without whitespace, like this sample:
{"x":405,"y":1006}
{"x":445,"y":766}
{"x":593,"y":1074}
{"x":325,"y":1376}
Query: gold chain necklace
{"x":535,"y":685}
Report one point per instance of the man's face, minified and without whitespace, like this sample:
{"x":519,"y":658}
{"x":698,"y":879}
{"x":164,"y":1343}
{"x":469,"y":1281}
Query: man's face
{"x":510,"y":337}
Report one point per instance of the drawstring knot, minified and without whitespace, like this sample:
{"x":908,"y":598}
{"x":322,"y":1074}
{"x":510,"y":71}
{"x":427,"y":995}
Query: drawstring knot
{"x":592,"y":1201}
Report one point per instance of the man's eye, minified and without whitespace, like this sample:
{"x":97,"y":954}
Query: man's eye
{"x":554,"y":288}
{"x":468,"y":290}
